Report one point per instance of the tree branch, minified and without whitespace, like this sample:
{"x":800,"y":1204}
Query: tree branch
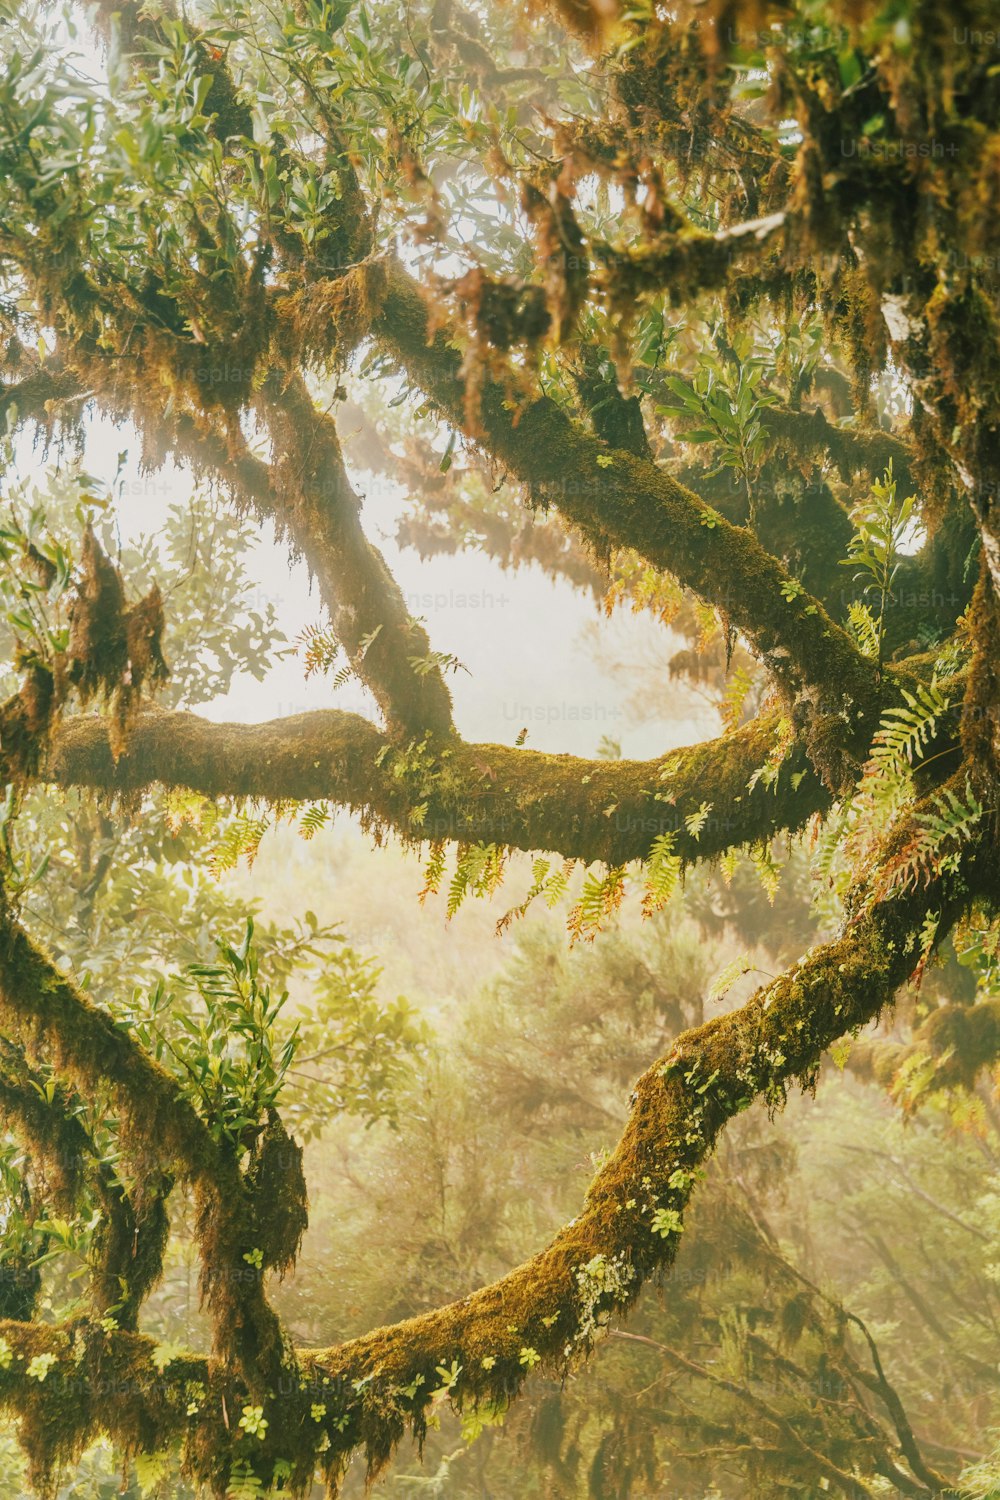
{"x":313,"y":499}
{"x":618,"y":499}
{"x":522,"y":799}
{"x":549,"y":1309}
{"x":128,"y":1244}
{"x":84,"y":1044}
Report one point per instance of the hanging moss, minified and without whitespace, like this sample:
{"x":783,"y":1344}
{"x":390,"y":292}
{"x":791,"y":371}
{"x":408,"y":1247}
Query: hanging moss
{"x":277,"y":1190}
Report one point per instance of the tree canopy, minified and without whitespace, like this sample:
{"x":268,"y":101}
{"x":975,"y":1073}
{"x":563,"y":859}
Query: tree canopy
{"x":697,"y":308}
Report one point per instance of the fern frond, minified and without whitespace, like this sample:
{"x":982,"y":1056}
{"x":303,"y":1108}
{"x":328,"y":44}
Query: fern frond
{"x":663,"y":869}
{"x":550,"y":887}
{"x":241,"y":840}
{"x":727,"y":977}
{"x":934,"y":848}
{"x":320,"y":649}
{"x":433,"y":872}
{"x":767,"y":870}
{"x":478,"y":872}
{"x":600,"y":898}
{"x":734,"y":699}
{"x":313,"y":819}
{"x":863,"y":628}
{"x":905,"y":733}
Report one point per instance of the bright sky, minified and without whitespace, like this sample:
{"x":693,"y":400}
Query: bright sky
{"x":493,"y":621}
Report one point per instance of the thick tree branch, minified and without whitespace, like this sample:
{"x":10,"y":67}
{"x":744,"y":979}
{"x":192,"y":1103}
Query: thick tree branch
{"x":127,"y":1253}
{"x":547,"y":1310}
{"x":315,"y":502}
{"x":870,"y":450}
{"x":621,"y":500}
{"x":523,"y":799}
{"x":956,"y":1041}
{"x":306,"y":492}
{"x":40,"y":1004}
{"x":683,"y":262}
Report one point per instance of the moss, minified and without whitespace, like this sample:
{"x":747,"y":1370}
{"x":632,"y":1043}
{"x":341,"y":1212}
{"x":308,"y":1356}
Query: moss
{"x":317,"y":507}
{"x":322,"y":322}
{"x":278,"y":1194}
{"x":547,"y":1311}
{"x":855,"y":230}
{"x":957,"y":1042}
{"x":85,"y":1045}
{"x":130,"y":1236}
{"x":618,"y":499}
{"x":113,"y":650}
{"x":518,"y":798}
{"x":980,"y":729}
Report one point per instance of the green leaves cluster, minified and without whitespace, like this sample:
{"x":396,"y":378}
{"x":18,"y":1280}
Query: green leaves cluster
{"x":882,"y":523}
{"x":225,"y":1048}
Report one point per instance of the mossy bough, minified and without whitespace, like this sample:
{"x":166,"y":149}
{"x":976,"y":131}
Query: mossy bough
{"x":546,"y":1312}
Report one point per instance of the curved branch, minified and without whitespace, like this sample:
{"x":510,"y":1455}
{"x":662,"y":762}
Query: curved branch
{"x":683,"y":262}
{"x":850,"y":448}
{"x":619,"y":499}
{"x":956,"y":1042}
{"x":547,"y":1310}
{"x":312,"y":498}
{"x":128,"y":1246}
{"x":44,"y":1008}
{"x":610,"y":811}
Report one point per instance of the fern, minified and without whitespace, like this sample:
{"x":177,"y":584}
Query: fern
{"x":433,"y":871}
{"x":977,"y":947}
{"x":905,"y":733}
{"x":478,"y":872}
{"x":728,"y":976}
{"x":880,"y":526}
{"x":863,"y":628}
{"x":734,"y":699}
{"x":313,"y":819}
{"x":767,"y":870}
{"x":436,"y":661}
{"x":663,"y":870}
{"x":645,"y":588}
{"x":926,"y":943}
{"x":244,"y":1484}
{"x":320,"y":648}
{"x":767,"y":774}
{"x":558,"y":884}
{"x":934,"y":849}
{"x":600,"y":898}
{"x":241,"y":840}
{"x":151,"y":1470}
{"x":549,"y":887}
{"x":695,"y":822}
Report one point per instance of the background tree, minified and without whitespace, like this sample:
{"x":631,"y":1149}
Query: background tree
{"x":584,"y":276}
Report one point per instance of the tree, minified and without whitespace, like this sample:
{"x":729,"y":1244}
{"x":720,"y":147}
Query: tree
{"x":664,"y":246}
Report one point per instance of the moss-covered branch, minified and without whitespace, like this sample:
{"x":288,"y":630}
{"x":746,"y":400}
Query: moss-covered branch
{"x":34,"y":388}
{"x":620,"y":500}
{"x":947,"y":1050}
{"x":365,"y":1393}
{"x":610,"y":811}
{"x":852,"y":449}
{"x":53,"y":1019}
{"x":316,"y":504}
{"x":129,"y":1240}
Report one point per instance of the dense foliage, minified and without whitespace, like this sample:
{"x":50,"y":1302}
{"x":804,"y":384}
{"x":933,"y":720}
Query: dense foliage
{"x":697,"y":310}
